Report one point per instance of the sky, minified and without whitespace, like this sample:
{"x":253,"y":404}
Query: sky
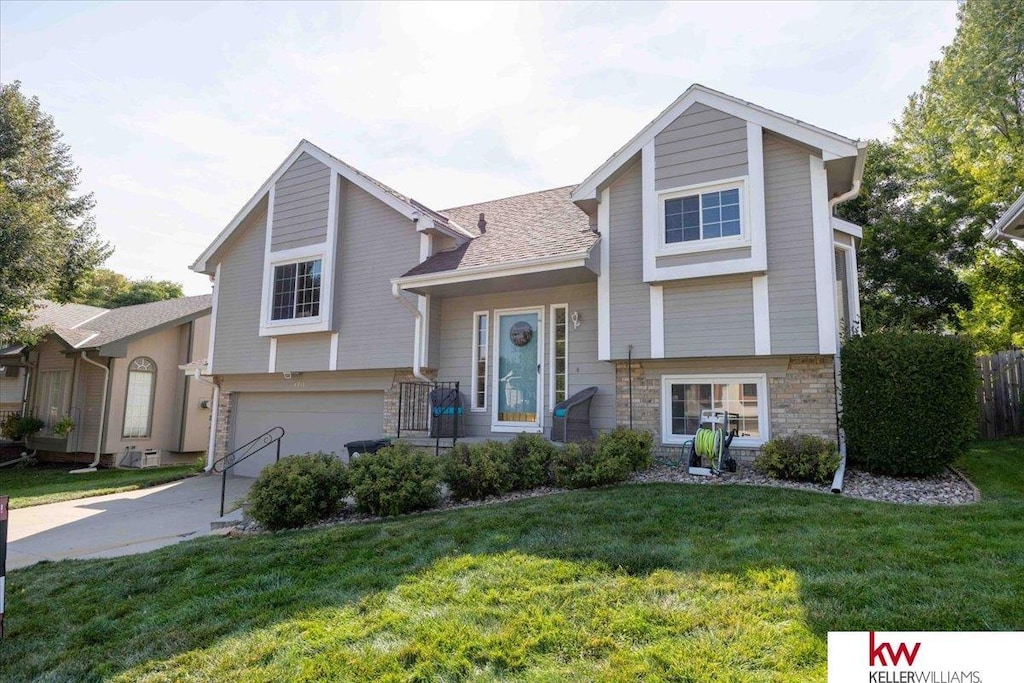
{"x":178,"y":112}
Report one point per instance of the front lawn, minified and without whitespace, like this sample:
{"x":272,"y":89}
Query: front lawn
{"x":49,"y":483}
{"x":661,"y":581}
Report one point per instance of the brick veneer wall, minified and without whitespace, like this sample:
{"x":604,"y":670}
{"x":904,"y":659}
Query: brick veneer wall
{"x":801,"y":397}
{"x":391,"y":399}
{"x":225,"y":407}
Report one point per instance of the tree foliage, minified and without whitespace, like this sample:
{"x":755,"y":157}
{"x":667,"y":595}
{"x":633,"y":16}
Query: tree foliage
{"x":956,"y":161}
{"x":48,"y":237}
{"x":108,"y":289}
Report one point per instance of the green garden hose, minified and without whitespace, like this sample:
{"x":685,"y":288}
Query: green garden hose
{"x":707,"y":442}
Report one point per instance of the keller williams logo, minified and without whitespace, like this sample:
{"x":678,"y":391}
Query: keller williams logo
{"x":876,"y":654}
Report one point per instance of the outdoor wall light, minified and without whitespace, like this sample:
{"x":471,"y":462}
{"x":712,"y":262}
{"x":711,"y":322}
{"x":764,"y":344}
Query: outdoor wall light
{"x":576,"y":319}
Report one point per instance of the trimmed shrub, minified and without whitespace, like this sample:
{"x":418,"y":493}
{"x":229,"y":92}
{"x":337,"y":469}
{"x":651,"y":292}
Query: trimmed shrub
{"x":633,"y":446}
{"x":581,"y":465}
{"x":909,"y":401}
{"x":15,"y":427}
{"x":299,"y":490}
{"x":529,"y":461}
{"x":801,"y":457}
{"x":394,"y":480}
{"x":476,"y":471}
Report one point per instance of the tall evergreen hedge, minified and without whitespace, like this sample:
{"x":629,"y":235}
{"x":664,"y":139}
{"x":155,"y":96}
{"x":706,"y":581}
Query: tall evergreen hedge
{"x":909,"y":401}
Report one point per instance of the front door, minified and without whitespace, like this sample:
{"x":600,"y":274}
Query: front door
{"x":517,"y":367}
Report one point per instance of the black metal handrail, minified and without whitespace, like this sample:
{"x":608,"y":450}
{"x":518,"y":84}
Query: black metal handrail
{"x":272,"y":435}
{"x":421,"y":403}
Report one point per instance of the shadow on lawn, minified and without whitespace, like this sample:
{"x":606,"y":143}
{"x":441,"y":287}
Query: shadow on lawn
{"x":832,"y":564}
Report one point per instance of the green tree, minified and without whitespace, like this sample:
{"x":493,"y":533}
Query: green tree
{"x":48,"y":237}
{"x":997,"y":285}
{"x":109,"y":289}
{"x":147,"y":291}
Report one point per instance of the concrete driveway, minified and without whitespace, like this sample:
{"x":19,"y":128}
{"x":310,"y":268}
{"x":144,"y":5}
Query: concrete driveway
{"x":118,"y":523}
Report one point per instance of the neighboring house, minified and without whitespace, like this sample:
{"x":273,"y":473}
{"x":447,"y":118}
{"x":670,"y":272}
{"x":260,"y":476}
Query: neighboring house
{"x":1011,"y":224}
{"x":705,"y":250}
{"x":115,"y":374}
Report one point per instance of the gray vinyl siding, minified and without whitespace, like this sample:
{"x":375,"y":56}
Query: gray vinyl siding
{"x":376,"y":244}
{"x":699,"y":257}
{"x":585,"y":369}
{"x":702,"y":145}
{"x":629,"y":295}
{"x":789,"y":231}
{"x":434,"y":338}
{"x":709,"y":317}
{"x":238,"y":347}
{"x":303,"y":352}
{"x":300,"y":205}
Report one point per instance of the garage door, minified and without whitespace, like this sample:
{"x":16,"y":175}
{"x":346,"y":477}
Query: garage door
{"x":312,"y":422}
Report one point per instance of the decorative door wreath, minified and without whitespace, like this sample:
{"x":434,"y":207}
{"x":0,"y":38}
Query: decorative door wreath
{"x":521,"y":333}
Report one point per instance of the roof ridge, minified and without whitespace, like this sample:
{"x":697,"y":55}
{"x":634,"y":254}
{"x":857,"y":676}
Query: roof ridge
{"x":513,"y":196}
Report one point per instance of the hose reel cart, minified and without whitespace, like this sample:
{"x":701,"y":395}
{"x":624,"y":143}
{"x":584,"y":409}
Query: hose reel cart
{"x":711,"y":443}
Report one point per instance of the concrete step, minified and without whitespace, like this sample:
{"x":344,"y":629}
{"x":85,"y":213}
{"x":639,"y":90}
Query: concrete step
{"x":231,"y":519}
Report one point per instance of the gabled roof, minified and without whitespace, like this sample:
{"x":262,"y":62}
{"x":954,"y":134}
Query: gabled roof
{"x":83,"y":327}
{"x":406,"y":206}
{"x":527,"y":227}
{"x":1011,"y":223}
{"x":833,"y":145}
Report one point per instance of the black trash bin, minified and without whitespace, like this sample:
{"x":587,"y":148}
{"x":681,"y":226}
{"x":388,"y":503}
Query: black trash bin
{"x":354,"y":448}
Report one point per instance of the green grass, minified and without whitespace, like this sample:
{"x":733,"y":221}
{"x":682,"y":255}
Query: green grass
{"x":47,"y":483}
{"x":656,"y":582}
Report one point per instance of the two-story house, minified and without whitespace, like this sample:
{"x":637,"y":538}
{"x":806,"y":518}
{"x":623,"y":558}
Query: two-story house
{"x":700,"y":267}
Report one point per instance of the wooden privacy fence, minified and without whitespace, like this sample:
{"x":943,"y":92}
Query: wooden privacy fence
{"x":999,"y":396}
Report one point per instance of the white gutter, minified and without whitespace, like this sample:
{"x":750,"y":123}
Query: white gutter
{"x":858,"y":174}
{"x":417,"y":369}
{"x":103,"y":416}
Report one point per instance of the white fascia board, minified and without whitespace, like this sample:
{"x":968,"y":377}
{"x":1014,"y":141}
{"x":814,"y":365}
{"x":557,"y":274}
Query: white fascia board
{"x":604,"y":325}
{"x":539,"y":265}
{"x":824,"y":260}
{"x":847,"y":227}
{"x":1009,"y":217}
{"x":657,"y":321}
{"x":831,"y":144}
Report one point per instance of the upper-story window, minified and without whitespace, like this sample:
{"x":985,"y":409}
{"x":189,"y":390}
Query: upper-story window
{"x":691,"y":217}
{"x":296,"y":290}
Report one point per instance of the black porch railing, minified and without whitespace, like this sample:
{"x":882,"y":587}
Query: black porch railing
{"x":243,"y":452}
{"x":432,"y":407}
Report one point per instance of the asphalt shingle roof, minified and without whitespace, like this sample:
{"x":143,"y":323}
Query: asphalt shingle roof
{"x":91,"y":327}
{"x":521,"y":228}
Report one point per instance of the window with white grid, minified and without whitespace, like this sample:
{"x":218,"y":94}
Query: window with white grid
{"x":744,"y":397}
{"x":296,"y":292}
{"x":559,"y":354}
{"x":138,"y":406}
{"x":480,"y":351}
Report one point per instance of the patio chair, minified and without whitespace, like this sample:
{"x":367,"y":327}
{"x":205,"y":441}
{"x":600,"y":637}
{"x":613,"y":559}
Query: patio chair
{"x":571,"y":420}
{"x":447,"y":414}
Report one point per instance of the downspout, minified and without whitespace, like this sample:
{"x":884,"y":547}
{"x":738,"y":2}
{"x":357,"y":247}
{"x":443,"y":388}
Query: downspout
{"x":30,"y":377}
{"x":103,"y":416}
{"x":858,"y":174}
{"x":417,"y":369}
{"x":214,"y":416}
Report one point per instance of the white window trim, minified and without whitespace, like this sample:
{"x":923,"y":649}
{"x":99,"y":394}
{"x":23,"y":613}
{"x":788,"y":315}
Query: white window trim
{"x":763,"y":413}
{"x":714,"y":243}
{"x":852,"y":282}
{"x":65,"y":406}
{"x":327,"y":253}
{"x":495,"y":345}
{"x":474,"y":352}
{"x":551,"y":361}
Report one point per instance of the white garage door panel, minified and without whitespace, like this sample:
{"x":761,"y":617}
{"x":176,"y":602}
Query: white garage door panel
{"x":312,"y":422}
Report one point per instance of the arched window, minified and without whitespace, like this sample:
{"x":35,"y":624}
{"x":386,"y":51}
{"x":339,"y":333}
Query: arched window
{"x":138,"y":404}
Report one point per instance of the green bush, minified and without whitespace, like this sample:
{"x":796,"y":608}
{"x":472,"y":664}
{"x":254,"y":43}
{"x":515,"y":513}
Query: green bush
{"x":476,"y":471}
{"x":299,"y":490}
{"x":530,"y":457}
{"x":801,"y":457}
{"x":633,"y":446}
{"x":909,"y":401}
{"x":394,"y":480}
{"x":15,"y":427}
{"x":581,"y":465}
